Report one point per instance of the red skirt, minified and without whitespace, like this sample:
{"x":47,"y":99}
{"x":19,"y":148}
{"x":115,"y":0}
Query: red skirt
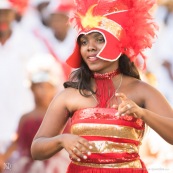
{"x":73,"y":168}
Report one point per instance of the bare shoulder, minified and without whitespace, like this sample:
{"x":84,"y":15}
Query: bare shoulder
{"x":145,"y":89}
{"x":25,"y":116}
{"x":150,"y":97}
{"x":139,"y":86}
{"x":68,"y":98}
{"x":67,"y":94}
{"x":141,"y":92}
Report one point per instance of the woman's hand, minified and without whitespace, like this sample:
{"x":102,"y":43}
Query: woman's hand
{"x":128,"y":106}
{"x":77,"y":147}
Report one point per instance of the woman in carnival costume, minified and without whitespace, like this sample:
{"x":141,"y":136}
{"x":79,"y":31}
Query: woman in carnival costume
{"x":107,"y":102}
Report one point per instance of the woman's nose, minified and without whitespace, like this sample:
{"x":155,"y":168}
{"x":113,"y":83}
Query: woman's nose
{"x":91,"y":46}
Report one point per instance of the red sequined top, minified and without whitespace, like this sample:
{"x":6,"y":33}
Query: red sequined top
{"x":116,"y":141}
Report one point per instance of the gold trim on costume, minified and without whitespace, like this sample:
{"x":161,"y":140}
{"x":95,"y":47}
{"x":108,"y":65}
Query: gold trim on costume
{"x":113,"y":147}
{"x":107,"y":130}
{"x":90,"y":21}
{"x":112,"y":27}
{"x":133,"y":164}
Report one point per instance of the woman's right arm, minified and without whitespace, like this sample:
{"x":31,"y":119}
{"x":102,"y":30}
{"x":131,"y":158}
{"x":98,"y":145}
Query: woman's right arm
{"x":49,"y":139}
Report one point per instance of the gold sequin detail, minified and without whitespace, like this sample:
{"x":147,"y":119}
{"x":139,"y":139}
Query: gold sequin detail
{"x":93,"y":21}
{"x":112,"y":27}
{"x":133,"y":164}
{"x":115,"y":131}
{"x":89,"y":20}
{"x":113,"y":147}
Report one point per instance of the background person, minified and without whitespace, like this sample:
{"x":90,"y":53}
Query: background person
{"x":45,"y":76}
{"x":16,"y":48}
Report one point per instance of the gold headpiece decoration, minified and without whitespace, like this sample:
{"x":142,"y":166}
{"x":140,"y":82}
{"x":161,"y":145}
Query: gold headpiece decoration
{"x":89,"y":20}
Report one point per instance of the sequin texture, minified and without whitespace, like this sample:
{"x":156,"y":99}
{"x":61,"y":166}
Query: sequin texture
{"x":115,"y":139}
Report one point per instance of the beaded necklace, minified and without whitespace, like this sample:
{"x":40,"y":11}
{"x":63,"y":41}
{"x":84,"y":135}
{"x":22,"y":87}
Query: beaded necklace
{"x":105,"y":89}
{"x":108,"y":75}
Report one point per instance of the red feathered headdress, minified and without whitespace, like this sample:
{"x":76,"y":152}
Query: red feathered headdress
{"x":127,"y":26}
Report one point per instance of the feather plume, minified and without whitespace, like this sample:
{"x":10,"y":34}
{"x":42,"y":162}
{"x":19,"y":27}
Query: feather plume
{"x":138,"y":25}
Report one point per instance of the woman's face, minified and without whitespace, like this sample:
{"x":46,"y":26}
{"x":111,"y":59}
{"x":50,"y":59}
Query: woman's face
{"x":43,"y":92}
{"x":90,"y":46}
{"x":58,"y":24}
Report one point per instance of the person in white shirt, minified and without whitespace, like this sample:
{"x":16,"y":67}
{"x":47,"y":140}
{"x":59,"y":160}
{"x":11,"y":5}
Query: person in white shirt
{"x":16,"y":48}
{"x":63,"y":36}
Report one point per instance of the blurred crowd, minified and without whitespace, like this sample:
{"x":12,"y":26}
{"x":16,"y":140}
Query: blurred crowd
{"x":35,"y":41}
{"x":156,"y":153}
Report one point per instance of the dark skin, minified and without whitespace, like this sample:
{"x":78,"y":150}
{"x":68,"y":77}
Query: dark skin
{"x":40,"y":9}
{"x":58,"y":22}
{"x":150,"y":105}
{"x":7,"y":16}
{"x":168,"y":67}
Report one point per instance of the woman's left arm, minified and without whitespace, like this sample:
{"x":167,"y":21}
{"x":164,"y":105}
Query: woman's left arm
{"x":157,"y":112}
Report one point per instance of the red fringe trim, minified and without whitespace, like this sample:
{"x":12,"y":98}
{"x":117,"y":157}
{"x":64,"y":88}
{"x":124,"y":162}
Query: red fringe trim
{"x":83,"y":169}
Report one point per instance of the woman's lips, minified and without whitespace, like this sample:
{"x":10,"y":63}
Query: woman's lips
{"x":92,"y":58}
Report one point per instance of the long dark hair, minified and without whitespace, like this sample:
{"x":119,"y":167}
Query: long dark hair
{"x":81,"y":78}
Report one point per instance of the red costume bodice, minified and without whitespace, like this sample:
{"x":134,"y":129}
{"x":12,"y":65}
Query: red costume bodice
{"x":116,"y":141}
